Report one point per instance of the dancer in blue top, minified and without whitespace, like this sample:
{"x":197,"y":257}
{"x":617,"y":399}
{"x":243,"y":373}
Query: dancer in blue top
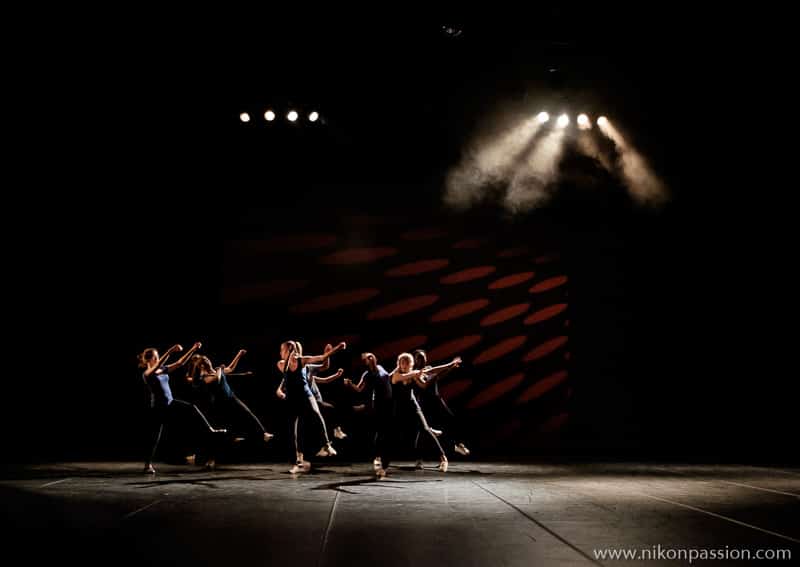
{"x":403,"y":379}
{"x":297,"y":391}
{"x":163,"y":406}
{"x":214,"y":381}
{"x":378,"y":384}
{"x":333,"y":413}
{"x":433,"y":404}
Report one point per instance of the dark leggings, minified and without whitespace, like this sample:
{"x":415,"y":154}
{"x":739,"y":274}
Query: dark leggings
{"x":437,"y":408}
{"x":296,"y":410}
{"x":422,"y":425}
{"x":234,"y":407}
{"x":383,"y":423}
{"x":175,"y":411}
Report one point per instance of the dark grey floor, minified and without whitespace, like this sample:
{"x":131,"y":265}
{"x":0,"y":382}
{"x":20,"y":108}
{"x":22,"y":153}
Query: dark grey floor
{"x":476,"y":514}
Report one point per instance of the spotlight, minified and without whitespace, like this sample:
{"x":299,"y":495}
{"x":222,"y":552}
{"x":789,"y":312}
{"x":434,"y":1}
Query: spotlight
{"x":563,"y":120}
{"x":584,"y":122}
{"x":313,"y":117}
{"x":602,"y":121}
{"x":269,"y":116}
{"x":543,"y":117}
{"x":244,"y":117}
{"x":292,"y":116}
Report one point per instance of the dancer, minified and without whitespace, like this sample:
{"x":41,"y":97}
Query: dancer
{"x":432,"y":403}
{"x":296,"y":390}
{"x":403,"y":378}
{"x":334,"y":412}
{"x":378,"y":384}
{"x":164,"y":407}
{"x":222,"y":397}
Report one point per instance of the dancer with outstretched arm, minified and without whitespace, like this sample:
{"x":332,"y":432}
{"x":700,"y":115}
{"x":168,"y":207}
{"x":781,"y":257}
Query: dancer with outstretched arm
{"x":378,"y":384}
{"x":164,"y":408}
{"x":296,"y":390}
{"x":333,"y":413}
{"x":222,"y":397}
{"x":433,"y":405}
{"x":403,"y":379}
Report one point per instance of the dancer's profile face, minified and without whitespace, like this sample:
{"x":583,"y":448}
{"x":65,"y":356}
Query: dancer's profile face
{"x":405,"y":365}
{"x":370,"y":361}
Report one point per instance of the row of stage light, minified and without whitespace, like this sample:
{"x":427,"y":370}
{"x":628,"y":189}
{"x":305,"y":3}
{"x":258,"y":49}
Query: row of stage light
{"x":584,"y":123}
{"x":291,"y":116}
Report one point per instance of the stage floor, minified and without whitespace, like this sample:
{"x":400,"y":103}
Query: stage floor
{"x":488,"y":514}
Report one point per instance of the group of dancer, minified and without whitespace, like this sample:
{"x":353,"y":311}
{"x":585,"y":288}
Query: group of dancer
{"x":400,"y":399}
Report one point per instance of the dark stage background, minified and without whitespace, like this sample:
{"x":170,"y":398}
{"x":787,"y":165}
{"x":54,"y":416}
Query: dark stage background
{"x":149,"y":215}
